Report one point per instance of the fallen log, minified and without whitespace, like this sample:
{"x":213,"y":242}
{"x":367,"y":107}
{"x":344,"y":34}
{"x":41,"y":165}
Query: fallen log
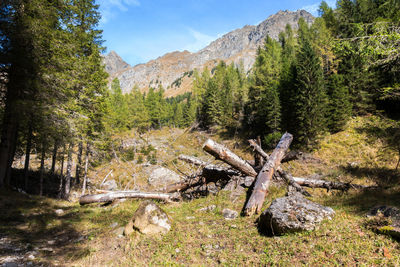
{"x":107,"y":197}
{"x":292,"y":155}
{"x":313,"y":183}
{"x":210,"y":173}
{"x":290,"y":181}
{"x":222,"y":153}
{"x":256,"y":200}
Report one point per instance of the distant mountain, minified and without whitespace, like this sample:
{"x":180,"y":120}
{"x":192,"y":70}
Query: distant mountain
{"x":173,"y":70}
{"x":114,"y":63}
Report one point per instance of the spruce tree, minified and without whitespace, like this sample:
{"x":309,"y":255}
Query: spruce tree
{"x":339,"y":108}
{"x":310,"y":95}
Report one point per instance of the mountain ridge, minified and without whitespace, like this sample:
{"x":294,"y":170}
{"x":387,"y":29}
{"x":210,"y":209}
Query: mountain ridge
{"x":238,"y":46}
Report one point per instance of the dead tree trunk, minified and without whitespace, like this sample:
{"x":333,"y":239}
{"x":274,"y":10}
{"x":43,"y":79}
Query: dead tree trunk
{"x":86,"y":168}
{"x":312,"y":183}
{"x":258,"y":159}
{"x":290,"y":181}
{"x":263,"y":179}
{"x":27,"y":156}
{"x":222,"y":153}
{"x":107,"y":197}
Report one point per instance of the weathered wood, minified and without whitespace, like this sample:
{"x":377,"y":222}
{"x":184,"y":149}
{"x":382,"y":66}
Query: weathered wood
{"x":256,"y":200}
{"x":313,"y":183}
{"x":222,"y":153}
{"x":210,"y":173}
{"x":258,"y":149}
{"x":107,"y":197}
{"x":290,"y":180}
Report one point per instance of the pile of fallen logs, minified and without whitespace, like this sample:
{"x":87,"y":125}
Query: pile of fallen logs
{"x":259,"y":174}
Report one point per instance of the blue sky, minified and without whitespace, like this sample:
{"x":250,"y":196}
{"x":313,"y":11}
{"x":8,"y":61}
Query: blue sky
{"x":141,"y":30}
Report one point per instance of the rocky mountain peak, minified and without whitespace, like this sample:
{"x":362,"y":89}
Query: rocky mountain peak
{"x":171,"y":70}
{"x":114,"y":63}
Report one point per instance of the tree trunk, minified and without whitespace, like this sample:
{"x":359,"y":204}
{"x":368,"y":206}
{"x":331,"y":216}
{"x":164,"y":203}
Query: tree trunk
{"x":42,"y":168}
{"x":312,"y":183}
{"x":54,"y":157}
{"x":224,"y":154}
{"x":258,"y":159}
{"x":11,"y":155}
{"x":263,"y":179}
{"x":68,"y":175}
{"x":107,"y":197}
{"x":290,"y":181}
{"x":86,"y":167}
{"x":7,"y":135}
{"x":79,"y":163}
{"x":27,"y":156}
{"x":60,"y":187}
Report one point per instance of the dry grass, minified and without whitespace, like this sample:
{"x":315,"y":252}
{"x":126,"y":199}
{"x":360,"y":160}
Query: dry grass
{"x":206,"y":238}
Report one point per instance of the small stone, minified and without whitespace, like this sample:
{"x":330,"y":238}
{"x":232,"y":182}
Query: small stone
{"x":119,"y":231}
{"x":59,"y":212}
{"x":51,"y":242}
{"x":233,"y":226}
{"x":248,"y":181}
{"x":113,"y":225}
{"x":31,"y":257}
{"x":229,"y":214}
{"x":190,"y":217}
{"x":177,"y":250}
{"x":149,"y":219}
{"x":209,"y":208}
{"x":110,"y":185}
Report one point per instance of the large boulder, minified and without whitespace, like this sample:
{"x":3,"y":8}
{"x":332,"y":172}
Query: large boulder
{"x":148,"y":219}
{"x":160,"y":177}
{"x":293,"y":213}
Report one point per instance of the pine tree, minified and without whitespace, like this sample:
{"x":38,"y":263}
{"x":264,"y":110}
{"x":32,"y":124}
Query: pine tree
{"x":310,"y":96}
{"x":339,"y":108}
{"x":263,"y":108}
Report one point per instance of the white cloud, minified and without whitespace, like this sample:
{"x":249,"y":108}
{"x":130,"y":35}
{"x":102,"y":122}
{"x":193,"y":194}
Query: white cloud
{"x":200,"y":40}
{"x":313,"y":9}
{"x":110,"y":8}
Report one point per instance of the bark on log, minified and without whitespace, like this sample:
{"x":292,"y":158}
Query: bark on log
{"x":107,"y":197}
{"x":210,"y":173}
{"x":222,"y":153}
{"x":312,"y":183}
{"x":290,"y":180}
{"x":263,"y":179}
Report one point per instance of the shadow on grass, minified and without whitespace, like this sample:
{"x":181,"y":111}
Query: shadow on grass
{"x":383,"y":177}
{"x":29,"y":226}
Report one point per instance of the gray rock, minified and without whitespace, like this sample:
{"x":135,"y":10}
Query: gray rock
{"x":209,"y":208}
{"x":148,"y":219}
{"x":229,"y":214}
{"x":110,"y":185}
{"x":119,"y":231}
{"x":212,"y":188}
{"x":248,"y":181}
{"x":291,"y":214}
{"x":161,"y":177}
{"x":113,"y":225}
{"x":59,"y":212}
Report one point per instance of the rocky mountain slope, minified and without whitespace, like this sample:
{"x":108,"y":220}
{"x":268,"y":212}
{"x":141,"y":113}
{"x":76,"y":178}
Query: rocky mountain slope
{"x":238,"y":46}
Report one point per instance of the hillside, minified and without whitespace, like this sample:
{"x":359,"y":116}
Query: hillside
{"x":238,"y":46}
{"x":90,"y":235}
